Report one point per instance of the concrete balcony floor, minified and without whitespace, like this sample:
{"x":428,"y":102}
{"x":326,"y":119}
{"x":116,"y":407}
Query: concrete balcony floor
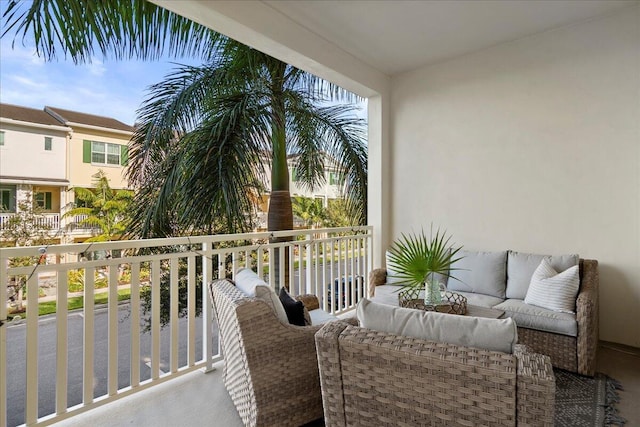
{"x":197,"y":399}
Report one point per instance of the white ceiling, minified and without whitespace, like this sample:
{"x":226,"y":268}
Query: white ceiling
{"x":397,"y":36}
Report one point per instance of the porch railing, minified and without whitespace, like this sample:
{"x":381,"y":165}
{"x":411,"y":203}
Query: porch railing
{"x":145,"y":316}
{"x":48,"y":221}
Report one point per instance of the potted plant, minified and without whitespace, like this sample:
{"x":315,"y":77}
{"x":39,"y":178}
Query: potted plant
{"x":422,"y":262}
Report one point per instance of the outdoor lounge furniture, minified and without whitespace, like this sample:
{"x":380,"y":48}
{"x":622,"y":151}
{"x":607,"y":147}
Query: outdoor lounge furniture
{"x":373,"y":378}
{"x":271,"y":367}
{"x":500,"y":280}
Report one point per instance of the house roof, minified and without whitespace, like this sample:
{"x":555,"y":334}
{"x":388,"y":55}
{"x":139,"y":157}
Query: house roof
{"x":69,"y":117}
{"x":25,"y":114}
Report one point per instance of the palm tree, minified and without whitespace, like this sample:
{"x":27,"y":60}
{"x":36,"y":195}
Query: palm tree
{"x":103,"y":209}
{"x":308,"y":210}
{"x":205,"y":132}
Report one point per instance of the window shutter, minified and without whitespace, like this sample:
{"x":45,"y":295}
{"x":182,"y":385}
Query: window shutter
{"x":124,"y":155}
{"x":47,"y":201}
{"x":86,"y":151}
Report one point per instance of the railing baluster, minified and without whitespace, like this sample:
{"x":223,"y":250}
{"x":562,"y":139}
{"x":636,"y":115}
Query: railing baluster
{"x":260,"y":262}
{"x":191,"y":310}
{"x":113,"y":330}
{"x":61,"y":342}
{"x":155,"y":319}
{"x":174,"y":288}
{"x":272,"y":267}
{"x":31,"y":415}
{"x":207,"y":310}
{"x":3,"y":339}
{"x":89,"y":334}
{"x":135,"y":324}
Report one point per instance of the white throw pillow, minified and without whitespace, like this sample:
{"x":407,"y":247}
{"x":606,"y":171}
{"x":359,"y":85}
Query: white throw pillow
{"x":552,"y":290}
{"x":253,"y":286}
{"x":477,"y":332}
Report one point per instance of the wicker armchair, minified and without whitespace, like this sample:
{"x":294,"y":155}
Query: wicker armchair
{"x":375,"y":378}
{"x":271,"y":368}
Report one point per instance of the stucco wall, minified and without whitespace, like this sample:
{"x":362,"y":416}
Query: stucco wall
{"x":81,"y":174}
{"x":23,"y":154}
{"x":534,"y":146}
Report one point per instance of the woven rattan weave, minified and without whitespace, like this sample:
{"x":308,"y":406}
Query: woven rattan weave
{"x":372,"y":378}
{"x":271,"y":368}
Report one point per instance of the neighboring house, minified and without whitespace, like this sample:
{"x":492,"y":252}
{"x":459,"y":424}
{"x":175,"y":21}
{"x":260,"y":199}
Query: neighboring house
{"x":97,"y":143}
{"x":33,"y":151}
{"x":46,"y":154}
{"x":330,"y":190}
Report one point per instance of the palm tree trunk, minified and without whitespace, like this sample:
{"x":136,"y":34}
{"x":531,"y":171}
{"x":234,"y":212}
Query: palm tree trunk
{"x":280,"y":214}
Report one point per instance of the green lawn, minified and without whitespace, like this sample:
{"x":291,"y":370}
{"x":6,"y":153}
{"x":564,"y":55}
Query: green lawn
{"x":74,"y":303}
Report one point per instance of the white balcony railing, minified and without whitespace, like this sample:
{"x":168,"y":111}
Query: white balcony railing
{"x":55,"y":366}
{"x":48,"y":221}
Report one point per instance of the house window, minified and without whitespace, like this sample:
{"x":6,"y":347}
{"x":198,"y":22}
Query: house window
{"x":335,"y":178}
{"x":8,"y":198}
{"x":43,"y":200}
{"x":1,"y":137}
{"x":104,"y":153}
{"x":48,"y":142}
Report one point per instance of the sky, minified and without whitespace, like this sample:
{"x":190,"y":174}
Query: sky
{"x":104,"y":87}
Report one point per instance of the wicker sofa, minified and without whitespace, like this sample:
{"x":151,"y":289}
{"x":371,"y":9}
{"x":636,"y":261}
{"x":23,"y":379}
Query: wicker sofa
{"x":271,"y":368}
{"x":573,"y":351}
{"x":377,"y":378}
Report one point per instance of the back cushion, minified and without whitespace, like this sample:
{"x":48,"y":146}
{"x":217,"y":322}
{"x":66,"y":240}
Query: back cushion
{"x":477,"y":332}
{"x":480,"y":272}
{"x":520,"y":268}
{"x":391,"y":273}
{"x":253,"y":286}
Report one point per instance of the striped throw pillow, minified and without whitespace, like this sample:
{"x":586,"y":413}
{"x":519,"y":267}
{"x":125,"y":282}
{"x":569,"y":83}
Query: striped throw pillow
{"x":552,"y":290}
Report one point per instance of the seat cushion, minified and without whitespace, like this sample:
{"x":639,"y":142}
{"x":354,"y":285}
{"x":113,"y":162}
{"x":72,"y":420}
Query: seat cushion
{"x":477,"y":332}
{"x":520,"y":268}
{"x":480,"y":299}
{"x":480,"y":273}
{"x":253,"y":286}
{"x":320,"y":317}
{"x":533,"y":317}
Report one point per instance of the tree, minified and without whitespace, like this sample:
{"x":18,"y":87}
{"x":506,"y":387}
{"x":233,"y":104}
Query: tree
{"x":24,"y":228}
{"x":104,"y":209}
{"x":309,"y":211}
{"x":337,"y":214}
{"x":205,"y":133}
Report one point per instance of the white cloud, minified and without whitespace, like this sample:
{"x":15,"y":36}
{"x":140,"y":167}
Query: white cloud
{"x":96,"y":67}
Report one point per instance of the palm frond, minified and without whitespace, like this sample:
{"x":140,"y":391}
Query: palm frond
{"x":81,"y":29}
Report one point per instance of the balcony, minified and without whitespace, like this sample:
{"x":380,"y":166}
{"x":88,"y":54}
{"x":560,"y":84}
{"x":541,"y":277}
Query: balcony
{"x":59,"y":365}
{"x":47,"y":221}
